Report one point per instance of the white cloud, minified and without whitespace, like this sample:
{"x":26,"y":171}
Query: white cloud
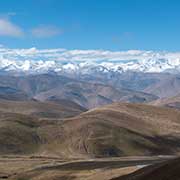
{"x":11,"y":14}
{"x":7,"y":28}
{"x":85,"y":55}
{"x":46,"y":31}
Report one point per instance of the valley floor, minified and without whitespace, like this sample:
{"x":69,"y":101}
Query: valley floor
{"x":54,"y":168}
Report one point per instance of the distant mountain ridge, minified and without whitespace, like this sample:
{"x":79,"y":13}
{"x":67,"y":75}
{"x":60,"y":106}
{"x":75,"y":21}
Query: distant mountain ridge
{"x":88,"y":67}
{"x":53,"y":87}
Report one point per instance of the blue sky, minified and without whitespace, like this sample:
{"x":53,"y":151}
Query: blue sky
{"x":91,"y":24}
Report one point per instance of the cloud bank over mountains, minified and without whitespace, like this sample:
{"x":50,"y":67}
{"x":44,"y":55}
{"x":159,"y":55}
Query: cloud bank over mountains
{"x":61,"y":54}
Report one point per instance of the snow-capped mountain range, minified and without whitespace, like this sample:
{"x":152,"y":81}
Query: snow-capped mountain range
{"x":86,"y":61}
{"x":35,"y":66}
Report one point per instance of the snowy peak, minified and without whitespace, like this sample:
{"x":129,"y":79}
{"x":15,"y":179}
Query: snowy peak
{"x":86,"y":61}
{"x":35,"y":66}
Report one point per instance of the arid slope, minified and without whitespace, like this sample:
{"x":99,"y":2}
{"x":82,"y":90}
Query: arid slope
{"x":120,"y":129}
{"x":169,"y":170}
{"x":48,"y":109}
{"x":172,"y":102}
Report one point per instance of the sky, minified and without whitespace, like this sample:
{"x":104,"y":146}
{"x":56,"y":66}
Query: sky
{"x":115,"y":25}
